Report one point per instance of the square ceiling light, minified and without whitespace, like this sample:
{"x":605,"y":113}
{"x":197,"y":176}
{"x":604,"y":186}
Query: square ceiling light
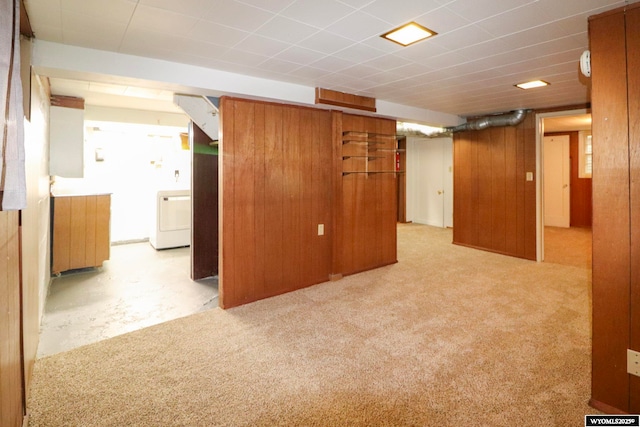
{"x":532,"y":84}
{"x":408,"y":34}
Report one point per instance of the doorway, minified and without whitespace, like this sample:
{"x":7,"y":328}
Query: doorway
{"x":564,"y":188}
{"x":430,"y":181}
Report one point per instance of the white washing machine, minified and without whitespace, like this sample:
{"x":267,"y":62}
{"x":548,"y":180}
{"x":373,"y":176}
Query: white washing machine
{"x":171,"y":226}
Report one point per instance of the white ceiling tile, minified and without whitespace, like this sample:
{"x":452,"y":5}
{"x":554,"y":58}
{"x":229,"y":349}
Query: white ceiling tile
{"x":462,"y":37}
{"x":216,"y":33}
{"x":279,"y":66}
{"x":243,"y":59}
{"x":359,"y":26}
{"x":317,"y":13}
{"x":262,"y":45}
{"x":325,"y":42}
{"x":359,"y":53}
{"x":185,"y":7}
{"x":357,"y":4}
{"x":442,"y":20}
{"x":408,"y":11}
{"x":282,"y":29}
{"x":159,"y":20}
{"x":310,"y":73}
{"x":237,"y":15}
{"x":44,"y":12}
{"x":114,"y":10}
{"x":331,"y":63}
{"x":274,"y":6}
{"x":387,"y":62}
{"x":299,"y":55}
{"x":477,"y":10}
{"x":359,"y":70}
{"x":515,"y":20}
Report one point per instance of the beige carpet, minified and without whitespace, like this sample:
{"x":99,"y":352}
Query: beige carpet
{"x":449,"y":336}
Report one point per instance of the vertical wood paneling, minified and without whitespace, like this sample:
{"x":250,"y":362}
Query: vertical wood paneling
{"x":78,"y":245}
{"x":388,"y":197}
{"x":498,"y":190}
{"x":293,"y":196}
{"x":275,"y":227}
{"x":494,"y":205}
{"x":259,"y":169}
{"x":511,"y":191}
{"x":484,"y":178}
{"x":308,"y":226}
{"x":277,"y":187}
{"x":369,"y":199}
{"x":633,"y":90}
{"x":61,"y":233}
{"x":611,"y":263}
{"x":321,"y":173}
{"x":90,"y":231}
{"x":521,"y":225}
{"x":102,"y":231}
{"x":11,"y":395}
{"x":244,"y":201}
{"x":338,"y":228}
{"x":530,"y":203}
{"x":227,"y":280}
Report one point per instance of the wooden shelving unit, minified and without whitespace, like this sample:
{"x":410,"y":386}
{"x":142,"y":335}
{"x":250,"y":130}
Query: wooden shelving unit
{"x":368,"y":146}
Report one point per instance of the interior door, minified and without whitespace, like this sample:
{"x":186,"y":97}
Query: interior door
{"x":427,"y":174}
{"x":556,"y":177}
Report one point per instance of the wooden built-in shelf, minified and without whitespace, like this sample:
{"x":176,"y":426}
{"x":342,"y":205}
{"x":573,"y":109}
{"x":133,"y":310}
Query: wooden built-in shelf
{"x":373,"y":149}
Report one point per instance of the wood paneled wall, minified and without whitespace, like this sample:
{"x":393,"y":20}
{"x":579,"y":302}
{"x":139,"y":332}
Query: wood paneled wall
{"x":281,"y":178}
{"x":11,"y":385}
{"x":494,"y":205}
{"x":614,"y":43}
{"x":369,"y":200}
{"x":580,"y":203}
{"x":276,"y":188}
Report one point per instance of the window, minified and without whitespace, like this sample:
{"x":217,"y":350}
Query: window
{"x":585,"y":148}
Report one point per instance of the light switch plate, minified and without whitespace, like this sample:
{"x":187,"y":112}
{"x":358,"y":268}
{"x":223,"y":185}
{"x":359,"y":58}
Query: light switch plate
{"x":529,"y":176}
{"x":633,"y":362}
{"x":320,"y":229}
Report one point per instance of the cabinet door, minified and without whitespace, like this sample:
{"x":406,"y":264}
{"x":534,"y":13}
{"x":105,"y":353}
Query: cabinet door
{"x":633,"y":88}
{"x":61,"y":233}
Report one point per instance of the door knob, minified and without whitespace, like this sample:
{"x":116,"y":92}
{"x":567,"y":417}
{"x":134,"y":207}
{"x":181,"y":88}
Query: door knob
{"x":565,"y":186}
{"x":440,"y":192}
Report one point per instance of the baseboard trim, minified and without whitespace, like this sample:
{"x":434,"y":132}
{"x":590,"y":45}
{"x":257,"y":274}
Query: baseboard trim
{"x":607,"y":409}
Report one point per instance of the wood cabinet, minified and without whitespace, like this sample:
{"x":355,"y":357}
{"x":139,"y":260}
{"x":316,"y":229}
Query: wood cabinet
{"x":80,"y":231}
{"x":614,"y":44}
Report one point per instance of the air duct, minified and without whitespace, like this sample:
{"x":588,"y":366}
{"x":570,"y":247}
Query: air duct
{"x":513,"y":118}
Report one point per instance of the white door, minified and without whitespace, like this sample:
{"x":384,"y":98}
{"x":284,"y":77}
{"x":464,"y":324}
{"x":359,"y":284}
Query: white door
{"x":556,"y":178}
{"x":429,"y":170}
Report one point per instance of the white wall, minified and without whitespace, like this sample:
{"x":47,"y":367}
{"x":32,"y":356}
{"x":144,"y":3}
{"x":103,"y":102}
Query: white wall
{"x":35,"y":217}
{"x":429,"y":170}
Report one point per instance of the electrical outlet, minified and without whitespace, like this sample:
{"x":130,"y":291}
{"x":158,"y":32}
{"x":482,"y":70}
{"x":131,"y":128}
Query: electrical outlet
{"x":320,"y":229}
{"x":633,"y":362}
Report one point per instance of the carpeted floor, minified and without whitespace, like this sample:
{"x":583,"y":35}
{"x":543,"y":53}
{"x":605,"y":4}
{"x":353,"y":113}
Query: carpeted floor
{"x":448,"y":336}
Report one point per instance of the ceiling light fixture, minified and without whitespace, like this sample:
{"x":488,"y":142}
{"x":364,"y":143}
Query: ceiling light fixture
{"x":408,"y":34}
{"x":532,"y":84}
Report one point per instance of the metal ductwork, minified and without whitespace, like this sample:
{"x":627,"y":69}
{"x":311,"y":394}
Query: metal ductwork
{"x":513,"y":118}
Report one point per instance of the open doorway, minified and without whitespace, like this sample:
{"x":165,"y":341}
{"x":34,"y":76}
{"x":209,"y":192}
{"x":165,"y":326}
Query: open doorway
{"x":564,"y":190}
{"x":132,"y":154}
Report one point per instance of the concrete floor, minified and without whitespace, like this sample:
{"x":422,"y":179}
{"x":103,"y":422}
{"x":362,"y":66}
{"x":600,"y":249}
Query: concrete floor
{"x":136,"y":288}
